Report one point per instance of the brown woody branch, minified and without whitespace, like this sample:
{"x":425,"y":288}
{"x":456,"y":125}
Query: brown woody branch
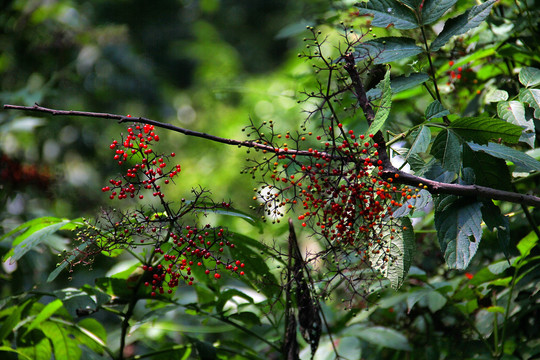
{"x":389,"y":171}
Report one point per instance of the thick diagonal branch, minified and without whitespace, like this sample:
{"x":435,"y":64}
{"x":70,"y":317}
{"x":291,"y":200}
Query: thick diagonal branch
{"x":389,"y":171}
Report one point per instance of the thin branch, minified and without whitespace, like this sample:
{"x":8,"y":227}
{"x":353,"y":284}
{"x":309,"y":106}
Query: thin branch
{"x":400,"y":177}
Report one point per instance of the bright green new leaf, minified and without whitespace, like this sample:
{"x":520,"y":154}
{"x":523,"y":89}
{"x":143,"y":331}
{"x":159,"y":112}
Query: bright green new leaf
{"x":64,"y":346}
{"x":459,"y":230}
{"x":523,"y":162}
{"x":435,"y":110}
{"x":531,"y":97}
{"x":394,"y":264}
{"x":527,"y":244}
{"x":386,"y":12}
{"x":385,"y":105}
{"x":19,"y":352}
{"x":44,"y":314}
{"x":387,"y":49}
{"x":484,"y":129}
{"x":463,"y":23}
{"x":447,"y":148}
{"x":529,"y":76}
{"x":514,"y":113}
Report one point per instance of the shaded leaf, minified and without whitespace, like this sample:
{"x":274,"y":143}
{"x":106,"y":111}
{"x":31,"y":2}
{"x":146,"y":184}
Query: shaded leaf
{"x":514,"y":113}
{"x":382,"y":336}
{"x":529,"y":76}
{"x":523,"y":162}
{"x":386,"y":12}
{"x":496,"y":221}
{"x":434,"y":171}
{"x":447,"y":149}
{"x":435,"y":110}
{"x":421,"y":199}
{"x":488,"y":170}
{"x":400,"y":83}
{"x":64,"y":264}
{"x":387,"y":49}
{"x":484,"y":129}
{"x":434,"y":9}
{"x":459,"y":230}
{"x":384,"y":107}
{"x":420,"y":143}
{"x":463,"y":23}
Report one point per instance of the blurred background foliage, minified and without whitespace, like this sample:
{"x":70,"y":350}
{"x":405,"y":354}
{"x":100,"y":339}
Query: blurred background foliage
{"x":210,"y":66}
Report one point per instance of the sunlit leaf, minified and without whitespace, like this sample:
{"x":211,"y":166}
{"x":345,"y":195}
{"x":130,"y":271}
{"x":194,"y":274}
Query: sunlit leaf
{"x":459,"y":230}
{"x":496,"y":95}
{"x":64,"y":345}
{"x":514,"y":113}
{"x":523,"y":162}
{"x":44,"y":314}
{"x":529,"y":76}
{"x":531,"y":97}
{"x":463,"y":23}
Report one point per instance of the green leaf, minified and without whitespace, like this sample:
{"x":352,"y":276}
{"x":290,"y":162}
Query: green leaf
{"x":514,"y":113}
{"x":531,"y":97}
{"x":456,"y":222}
{"x":65,"y":263}
{"x":488,"y":170}
{"x":463,"y":23}
{"x":529,"y":76}
{"x":64,"y":346}
{"x":12,"y":320}
{"x":523,"y":162}
{"x":434,"y":171}
{"x":19,"y":352}
{"x":423,"y":197}
{"x":496,"y":95}
{"x":387,"y":49}
{"x":398,"y":260}
{"x":45,"y":314}
{"x":386,"y":12}
{"x":384,"y":107}
{"x":38,"y":231}
{"x":35,"y":345}
{"x":447,"y":149}
{"x":382,"y":336}
{"x":496,"y":221}
{"x":247,"y":318}
{"x":420,"y":143}
{"x":527,"y":244}
{"x":484,"y":129}
{"x":90,"y":333}
{"x":435,"y":110}
{"x":434,"y":9}
{"x":118,"y":287}
{"x":400,"y":83}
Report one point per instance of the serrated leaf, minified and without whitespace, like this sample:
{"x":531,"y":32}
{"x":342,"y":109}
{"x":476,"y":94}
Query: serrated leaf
{"x":434,"y":9}
{"x":420,"y":143}
{"x":401,"y":246}
{"x":64,"y":346}
{"x":384,"y":107}
{"x":484,"y":129}
{"x":496,"y":95}
{"x":529,"y":76}
{"x":434,"y":171}
{"x":386,"y":12}
{"x":463,"y":23}
{"x":459,"y":231}
{"x":523,"y":162}
{"x":400,"y":83}
{"x":447,"y":149}
{"x":531,"y":97}
{"x":514,"y":113}
{"x":387,"y":49}
{"x":435,"y":110}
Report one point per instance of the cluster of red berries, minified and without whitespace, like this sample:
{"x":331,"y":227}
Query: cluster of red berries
{"x":146,"y":167}
{"x":341,"y":192}
{"x":187,"y":254}
{"x":459,"y":74}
